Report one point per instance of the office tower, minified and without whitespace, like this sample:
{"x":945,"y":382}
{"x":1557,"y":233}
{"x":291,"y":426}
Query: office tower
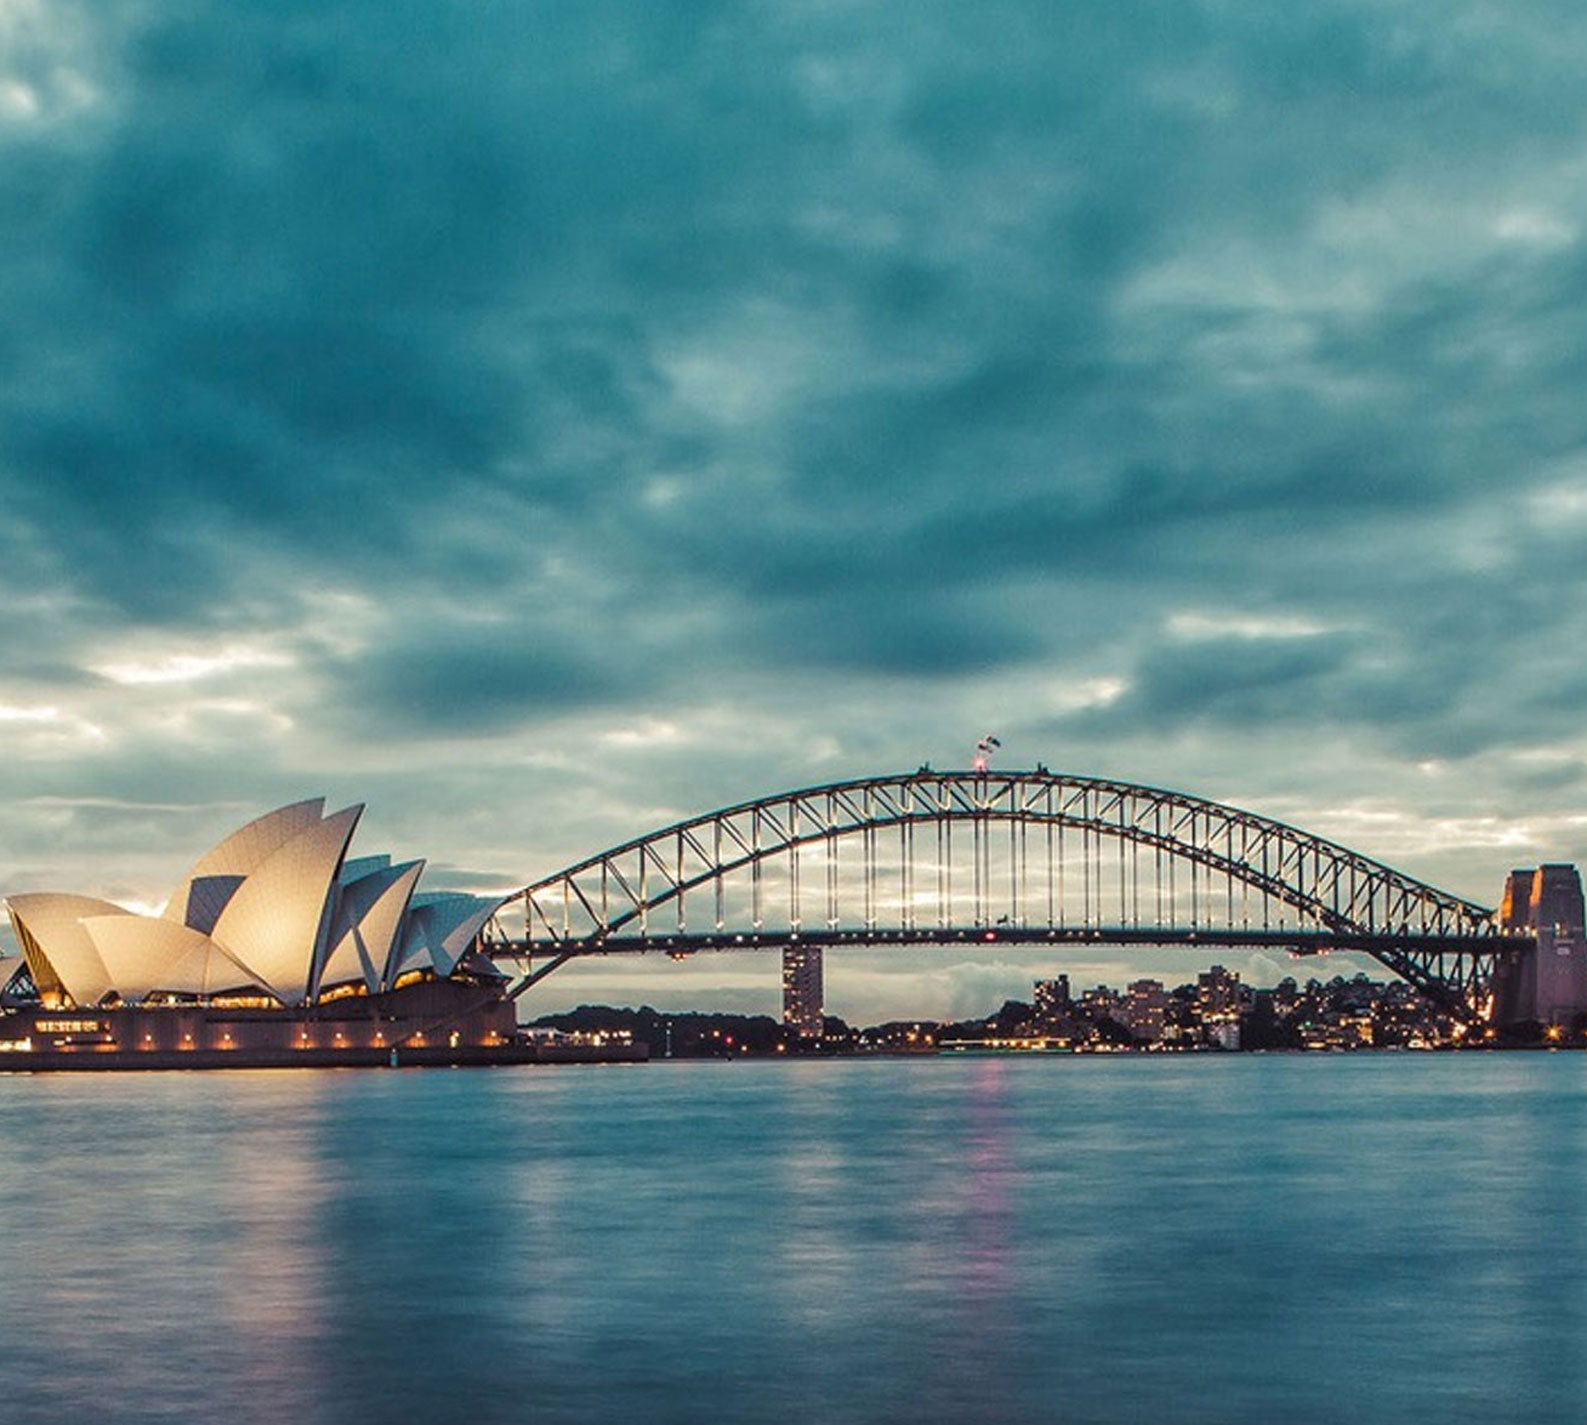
{"x":802,"y":990}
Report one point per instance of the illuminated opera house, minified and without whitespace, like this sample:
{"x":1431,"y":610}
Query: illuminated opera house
{"x":276,"y":948}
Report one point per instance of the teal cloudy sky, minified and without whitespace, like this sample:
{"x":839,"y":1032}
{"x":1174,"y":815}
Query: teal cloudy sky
{"x":542,"y":421}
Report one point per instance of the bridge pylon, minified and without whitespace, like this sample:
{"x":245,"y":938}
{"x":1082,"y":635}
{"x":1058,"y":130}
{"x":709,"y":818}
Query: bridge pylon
{"x":1548,"y":984}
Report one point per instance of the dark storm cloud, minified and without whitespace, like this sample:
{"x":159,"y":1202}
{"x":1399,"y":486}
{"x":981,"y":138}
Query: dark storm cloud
{"x":313,"y":276}
{"x":920,"y":636}
{"x":1238,"y":680}
{"x":469,"y":680}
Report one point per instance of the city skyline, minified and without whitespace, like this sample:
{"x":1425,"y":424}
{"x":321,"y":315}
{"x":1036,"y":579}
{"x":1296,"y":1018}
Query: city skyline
{"x":543,"y":428}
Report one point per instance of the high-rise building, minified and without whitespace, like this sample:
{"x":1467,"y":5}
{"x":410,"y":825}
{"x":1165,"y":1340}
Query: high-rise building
{"x":1218,"y":1006}
{"x":802,"y":990}
{"x":1052,"y":998}
{"x":1218,"y":994}
{"x":1144,"y":1009}
{"x":1100,"y":1002}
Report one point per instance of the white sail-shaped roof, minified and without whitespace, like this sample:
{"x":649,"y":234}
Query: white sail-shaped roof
{"x":458,"y":920}
{"x":412,"y":951}
{"x":355,"y":868}
{"x":278,"y":920}
{"x":207,"y":896}
{"x":277,"y":907}
{"x":369,"y":916}
{"x":209,"y":886}
{"x":50,"y":926}
{"x":208,"y":969}
{"x":441,"y":927}
{"x":148,"y":953}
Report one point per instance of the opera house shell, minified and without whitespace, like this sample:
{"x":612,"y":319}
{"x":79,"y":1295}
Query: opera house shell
{"x":275,"y":943}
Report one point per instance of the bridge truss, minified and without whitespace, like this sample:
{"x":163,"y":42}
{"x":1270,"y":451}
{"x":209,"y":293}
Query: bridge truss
{"x":1034,"y":858}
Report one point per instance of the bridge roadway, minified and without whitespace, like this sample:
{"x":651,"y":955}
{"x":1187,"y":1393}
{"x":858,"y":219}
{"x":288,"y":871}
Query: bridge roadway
{"x":1028,"y":858}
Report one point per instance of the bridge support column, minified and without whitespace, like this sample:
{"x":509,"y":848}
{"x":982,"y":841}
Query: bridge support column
{"x":1549,"y":985}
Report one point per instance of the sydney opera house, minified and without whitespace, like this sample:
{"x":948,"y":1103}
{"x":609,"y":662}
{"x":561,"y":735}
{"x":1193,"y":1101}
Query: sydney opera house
{"x":277,"y":948}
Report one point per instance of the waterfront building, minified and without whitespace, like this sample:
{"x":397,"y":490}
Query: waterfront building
{"x":1100,"y":1002}
{"x":1224,"y":1034}
{"x":276,"y":942}
{"x":1144,"y":1009}
{"x":1218,"y":993}
{"x":1052,"y":998}
{"x":802,"y":990}
{"x":1219,"y":1000}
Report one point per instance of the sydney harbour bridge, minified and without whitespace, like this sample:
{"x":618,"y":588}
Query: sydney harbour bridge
{"x":1034,"y":858}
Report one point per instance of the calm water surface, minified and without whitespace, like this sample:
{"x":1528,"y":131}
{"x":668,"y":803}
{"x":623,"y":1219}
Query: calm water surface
{"x":1218,"y":1239}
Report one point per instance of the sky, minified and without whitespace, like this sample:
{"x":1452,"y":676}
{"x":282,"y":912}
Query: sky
{"x":544,"y":422}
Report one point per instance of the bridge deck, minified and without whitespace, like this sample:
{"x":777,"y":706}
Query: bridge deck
{"x":1302,"y":942}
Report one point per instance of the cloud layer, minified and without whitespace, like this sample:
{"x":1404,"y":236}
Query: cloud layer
{"x":540,"y":421}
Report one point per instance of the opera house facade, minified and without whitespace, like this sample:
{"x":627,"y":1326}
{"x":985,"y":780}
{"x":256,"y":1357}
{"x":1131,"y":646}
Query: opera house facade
{"x":276,"y":948}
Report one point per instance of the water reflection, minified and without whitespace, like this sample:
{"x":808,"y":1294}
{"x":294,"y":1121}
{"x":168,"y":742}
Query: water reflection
{"x":812,"y":1204}
{"x":1228,"y":1241}
{"x":158,"y":1247}
{"x":964,"y":1302}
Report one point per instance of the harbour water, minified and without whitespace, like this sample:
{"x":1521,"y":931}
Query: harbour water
{"x":1219,"y":1239}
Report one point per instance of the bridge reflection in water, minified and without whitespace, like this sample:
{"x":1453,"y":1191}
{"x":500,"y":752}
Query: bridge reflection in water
{"x":1042,"y":858}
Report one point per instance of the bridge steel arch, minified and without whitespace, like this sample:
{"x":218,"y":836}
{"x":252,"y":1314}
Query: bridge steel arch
{"x":1020,"y":857}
